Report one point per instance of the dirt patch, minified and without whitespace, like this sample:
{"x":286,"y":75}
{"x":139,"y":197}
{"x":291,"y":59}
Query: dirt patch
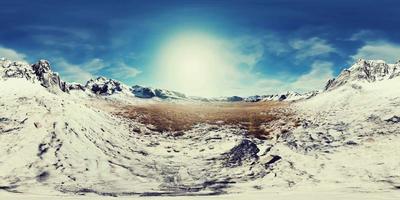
{"x":164,"y":116}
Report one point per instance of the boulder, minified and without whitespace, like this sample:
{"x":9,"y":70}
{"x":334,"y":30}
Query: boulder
{"x":246,"y":150}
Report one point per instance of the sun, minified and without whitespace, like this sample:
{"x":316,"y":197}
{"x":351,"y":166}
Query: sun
{"x":194,"y":63}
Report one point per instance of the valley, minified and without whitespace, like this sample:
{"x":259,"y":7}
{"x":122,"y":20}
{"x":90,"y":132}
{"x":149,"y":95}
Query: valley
{"x":99,"y":140}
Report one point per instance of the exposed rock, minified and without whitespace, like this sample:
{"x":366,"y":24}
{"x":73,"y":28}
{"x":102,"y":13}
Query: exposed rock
{"x":104,"y":86}
{"x":273,"y":159}
{"x":330,"y":83}
{"x":76,"y":86}
{"x":42,"y":176}
{"x":234,"y":98}
{"x":246,"y":150}
{"x":148,"y":92}
{"x":282,"y":97}
{"x":37,"y":124}
{"x":143,"y":92}
{"x":40,"y":71}
{"x":351,"y":142}
{"x":394,"y":119}
{"x":47,"y":78}
{"x":16,"y":69}
{"x":367,"y":71}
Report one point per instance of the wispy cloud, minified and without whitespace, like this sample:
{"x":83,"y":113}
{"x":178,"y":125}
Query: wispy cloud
{"x":378,"y":50}
{"x":363,"y":35}
{"x":246,"y":50}
{"x":94,"y":65}
{"x":315,"y":79}
{"x":311,"y":47}
{"x":275,"y":44}
{"x":72,"y":72}
{"x":84,"y":71}
{"x":121,"y":70}
{"x":11,"y":54}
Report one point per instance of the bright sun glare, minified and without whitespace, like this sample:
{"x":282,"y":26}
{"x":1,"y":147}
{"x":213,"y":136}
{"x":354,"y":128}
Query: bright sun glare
{"x":196,"y":64}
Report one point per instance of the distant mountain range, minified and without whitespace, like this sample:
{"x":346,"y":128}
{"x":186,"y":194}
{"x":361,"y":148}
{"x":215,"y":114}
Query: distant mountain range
{"x":362,"y":70}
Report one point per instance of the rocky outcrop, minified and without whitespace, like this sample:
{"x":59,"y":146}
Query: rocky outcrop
{"x":40,"y":71}
{"x":104,"y":86}
{"x":246,"y":150}
{"x":76,"y":86}
{"x":365,"y":71}
{"x":48,"y":78}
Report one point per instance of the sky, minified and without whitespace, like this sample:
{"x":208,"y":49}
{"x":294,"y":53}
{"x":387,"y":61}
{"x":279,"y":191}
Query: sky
{"x":202,"y":48}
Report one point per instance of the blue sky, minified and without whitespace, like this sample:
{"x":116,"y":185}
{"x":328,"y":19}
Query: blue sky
{"x":266,"y":46}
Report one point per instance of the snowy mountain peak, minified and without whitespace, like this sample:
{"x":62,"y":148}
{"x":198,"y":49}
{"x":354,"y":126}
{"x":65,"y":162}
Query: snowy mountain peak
{"x":148,"y":92}
{"x":40,"y":71}
{"x":103,"y":86}
{"x":365,"y":71}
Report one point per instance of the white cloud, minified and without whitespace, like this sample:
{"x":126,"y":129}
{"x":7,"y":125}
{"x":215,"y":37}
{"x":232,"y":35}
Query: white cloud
{"x":276,"y":45}
{"x":71,"y":72}
{"x":362,"y":35}
{"x":204,"y":65}
{"x":11,"y":54}
{"x":123,"y":71}
{"x":94,"y":65}
{"x":247,"y":50}
{"x":315,"y":79}
{"x":378,"y":50}
{"x":92,"y":68}
{"x":321,"y":72}
{"x":311,"y":47}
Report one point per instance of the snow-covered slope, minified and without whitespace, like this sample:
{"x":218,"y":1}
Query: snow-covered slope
{"x":350,"y":132}
{"x":59,"y":143}
{"x":38,"y":72}
{"x":148,"y":92}
{"x":365,"y":71}
{"x":55,"y":142}
{"x":41,"y":72}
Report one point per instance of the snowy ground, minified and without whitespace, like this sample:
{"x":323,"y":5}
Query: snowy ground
{"x":55,"y":145}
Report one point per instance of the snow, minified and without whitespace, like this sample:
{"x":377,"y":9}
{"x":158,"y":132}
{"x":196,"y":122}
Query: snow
{"x":56,"y":144}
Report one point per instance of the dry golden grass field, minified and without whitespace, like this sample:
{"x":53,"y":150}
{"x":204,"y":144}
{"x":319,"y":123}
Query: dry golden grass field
{"x":177,"y":117}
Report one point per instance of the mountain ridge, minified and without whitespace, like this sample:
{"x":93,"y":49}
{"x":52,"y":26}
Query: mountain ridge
{"x":365,"y":71}
{"x":360,"y":71}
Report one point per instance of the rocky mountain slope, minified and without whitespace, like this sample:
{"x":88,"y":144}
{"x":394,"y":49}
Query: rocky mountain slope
{"x":365,"y":71}
{"x":41,"y":73}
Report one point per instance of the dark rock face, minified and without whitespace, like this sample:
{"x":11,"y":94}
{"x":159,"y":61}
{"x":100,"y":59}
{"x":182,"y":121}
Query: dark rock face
{"x":255,"y":98}
{"x":329,"y":84}
{"x":148,"y":92}
{"x":143,"y":92}
{"x":76,"y":86}
{"x":282,"y":97}
{"x":234,"y":99}
{"x":394,"y":119}
{"x":245,"y":151}
{"x":42,"y":176}
{"x":47,"y":78}
{"x":274,"y":159}
{"x":104,"y":86}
